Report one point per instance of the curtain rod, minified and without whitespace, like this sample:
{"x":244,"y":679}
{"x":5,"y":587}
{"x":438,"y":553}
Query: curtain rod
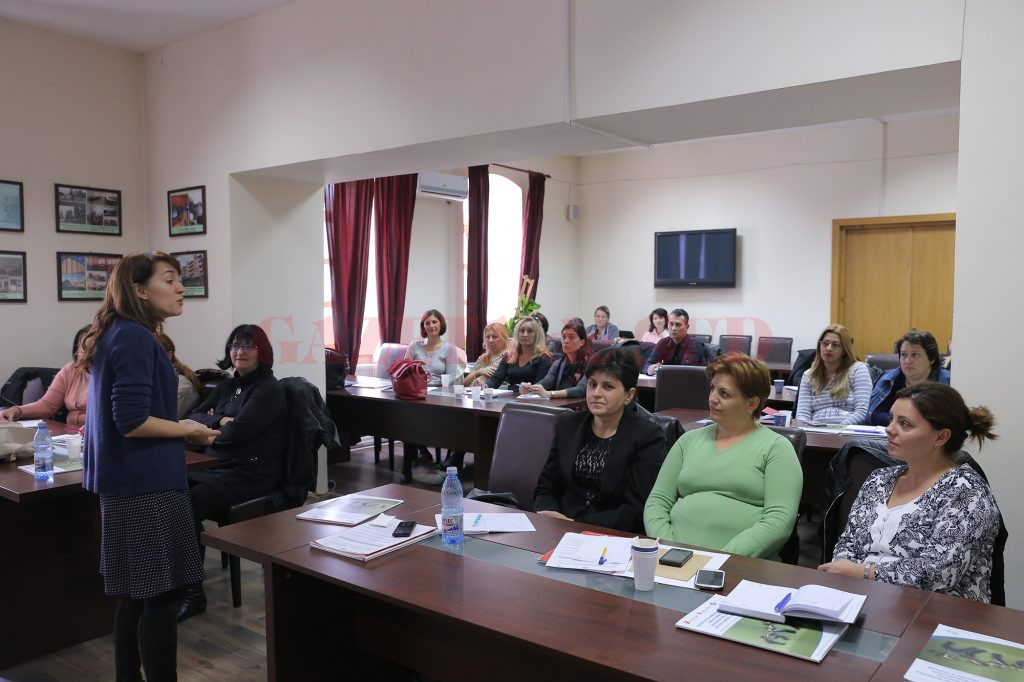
{"x":521,"y":170}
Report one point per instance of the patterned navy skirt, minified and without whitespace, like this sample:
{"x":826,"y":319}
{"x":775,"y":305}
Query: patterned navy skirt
{"x":149,"y":544}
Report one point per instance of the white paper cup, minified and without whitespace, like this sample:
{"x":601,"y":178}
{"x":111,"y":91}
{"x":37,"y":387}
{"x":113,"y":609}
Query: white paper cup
{"x":475,"y":393}
{"x":645,"y":561}
{"x":446,"y":380}
{"x":488,"y":393}
{"x":74,"y":447}
{"x":459,"y":389}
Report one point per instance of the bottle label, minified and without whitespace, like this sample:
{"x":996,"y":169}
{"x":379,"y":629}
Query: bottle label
{"x":451,"y":523}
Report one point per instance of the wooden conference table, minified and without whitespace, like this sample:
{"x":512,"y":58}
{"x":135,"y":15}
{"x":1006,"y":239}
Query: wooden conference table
{"x":442,"y":419}
{"x":50,"y":561}
{"x":491,"y":611}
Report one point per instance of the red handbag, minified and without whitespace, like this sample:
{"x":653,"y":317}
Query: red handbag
{"x":409,"y":379}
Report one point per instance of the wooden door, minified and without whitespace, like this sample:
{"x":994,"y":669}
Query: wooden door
{"x":890,"y":275}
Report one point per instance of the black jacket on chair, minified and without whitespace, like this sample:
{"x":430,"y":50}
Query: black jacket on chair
{"x":253,"y":444}
{"x":637,"y":452}
{"x":310,"y":425}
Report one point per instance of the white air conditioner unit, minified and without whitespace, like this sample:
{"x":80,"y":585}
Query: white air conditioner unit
{"x":443,"y":185}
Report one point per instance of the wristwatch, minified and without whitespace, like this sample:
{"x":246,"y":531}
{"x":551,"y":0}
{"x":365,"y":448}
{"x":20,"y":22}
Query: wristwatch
{"x":867,"y":569}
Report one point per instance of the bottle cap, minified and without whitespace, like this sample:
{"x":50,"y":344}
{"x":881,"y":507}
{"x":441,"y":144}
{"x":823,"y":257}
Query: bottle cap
{"x":453,"y":470}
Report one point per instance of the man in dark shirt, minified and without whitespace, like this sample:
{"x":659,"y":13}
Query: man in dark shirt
{"x":678,"y":348}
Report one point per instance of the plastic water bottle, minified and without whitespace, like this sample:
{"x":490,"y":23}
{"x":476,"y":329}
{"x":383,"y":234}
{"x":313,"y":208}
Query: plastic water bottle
{"x":451,"y":508}
{"x":43,"y":459}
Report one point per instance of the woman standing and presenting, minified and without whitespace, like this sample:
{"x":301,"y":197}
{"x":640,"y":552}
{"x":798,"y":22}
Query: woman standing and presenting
{"x":135,"y":461}
{"x":837,"y":388}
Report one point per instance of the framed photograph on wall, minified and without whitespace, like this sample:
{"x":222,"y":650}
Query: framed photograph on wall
{"x":194,"y":275}
{"x":12,"y":206}
{"x":83,"y":276}
{"x":88,"y":209}
{"x":186,"y":211}
{"x":13,"y":284}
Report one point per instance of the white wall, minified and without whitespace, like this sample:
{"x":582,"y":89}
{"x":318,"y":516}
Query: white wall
{"x":989,"y":252}
{"x":72,"y":113}
{"x":780,"y":190}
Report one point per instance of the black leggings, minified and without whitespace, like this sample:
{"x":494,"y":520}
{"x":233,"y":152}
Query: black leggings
{"x":146,"y":633}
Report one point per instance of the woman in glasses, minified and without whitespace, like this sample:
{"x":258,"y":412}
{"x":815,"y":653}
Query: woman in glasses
{"x":837,"y":388}
{"x":251,"y":413}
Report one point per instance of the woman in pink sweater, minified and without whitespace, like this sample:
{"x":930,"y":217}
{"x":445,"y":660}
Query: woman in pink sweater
{"x":68,"y":389}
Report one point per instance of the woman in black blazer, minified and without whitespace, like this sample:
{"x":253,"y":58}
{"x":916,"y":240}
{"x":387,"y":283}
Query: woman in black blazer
{"x":603,"y":462}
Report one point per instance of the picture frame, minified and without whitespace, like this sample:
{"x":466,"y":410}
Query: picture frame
{"x":186,"y":211}
{"x":12,"y":206}
{"x":194,"y":273}
{"x":87,"y":210}
{"x":13,"y":279}
{"x":84,"y":276}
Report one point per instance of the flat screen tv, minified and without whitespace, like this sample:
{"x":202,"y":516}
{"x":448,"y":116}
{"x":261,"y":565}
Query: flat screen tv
{"x":695,"y":258}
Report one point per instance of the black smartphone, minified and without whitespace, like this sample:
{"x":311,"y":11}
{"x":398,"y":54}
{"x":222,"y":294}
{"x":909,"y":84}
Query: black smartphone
{"x":403,"y":529}
{"x":710,"y":580}
{"x":676,"y":556}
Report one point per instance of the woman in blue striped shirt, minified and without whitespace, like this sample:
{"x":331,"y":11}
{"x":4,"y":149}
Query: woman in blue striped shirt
{"x":837,"y":388}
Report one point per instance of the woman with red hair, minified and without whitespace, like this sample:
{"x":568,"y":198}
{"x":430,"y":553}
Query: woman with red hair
{"x":251,"y":413}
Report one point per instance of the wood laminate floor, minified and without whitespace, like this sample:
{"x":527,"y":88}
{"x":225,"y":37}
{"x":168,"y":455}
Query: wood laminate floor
{"x":227,"y":644}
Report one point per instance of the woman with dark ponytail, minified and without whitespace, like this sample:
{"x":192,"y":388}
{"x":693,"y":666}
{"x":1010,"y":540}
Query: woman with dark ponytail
{"x":930,"y":523}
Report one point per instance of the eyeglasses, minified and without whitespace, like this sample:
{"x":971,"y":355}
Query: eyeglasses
{"x":830,"y":344}
{"x":247,"y":347}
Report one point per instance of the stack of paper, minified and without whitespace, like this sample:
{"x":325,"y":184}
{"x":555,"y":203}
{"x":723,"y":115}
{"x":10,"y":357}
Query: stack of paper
{"x":809,"y":640}
{"x":370,"y":541}
{"x":600,"y":553}
{"x":864,"y":430}
{"x":769,"y":602}
{"x":477,"y":524}
{"x":349,"y":510}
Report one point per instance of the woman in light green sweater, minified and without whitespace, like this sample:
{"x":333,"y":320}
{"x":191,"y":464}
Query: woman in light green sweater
{"x":734,"y":485}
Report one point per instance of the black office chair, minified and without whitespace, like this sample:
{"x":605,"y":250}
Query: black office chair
{"x":705,"y":338}
{"x":521,"y":448}
{"x":775,"y":348}
{"x":883,"y":361}
{"x":790,"y":552}
{"x":683,"y":386}
{"x":735,"y":343}
{"x":670,"y":426}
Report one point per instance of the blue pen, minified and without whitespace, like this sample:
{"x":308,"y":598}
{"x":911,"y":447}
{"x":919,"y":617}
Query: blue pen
{"x":477,"y":519}
{"x":782,"y":604}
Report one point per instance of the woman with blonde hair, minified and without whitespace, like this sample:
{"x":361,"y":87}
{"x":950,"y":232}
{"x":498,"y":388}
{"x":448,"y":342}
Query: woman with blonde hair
{"x":496,"y":341}
{"x":837,"y":388}
{"x":527,"y":360}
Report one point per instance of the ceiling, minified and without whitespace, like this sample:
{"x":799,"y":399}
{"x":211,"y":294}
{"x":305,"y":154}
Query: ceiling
{"x":137,"y":25}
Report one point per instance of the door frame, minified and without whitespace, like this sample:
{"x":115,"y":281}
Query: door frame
{"x":841,"y":226}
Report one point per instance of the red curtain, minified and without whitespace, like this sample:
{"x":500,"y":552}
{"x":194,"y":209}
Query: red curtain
{"x":394,"y":200}
{"x":533,"y":217}
{"x":348,"y":207}
{"x":476,"y":279}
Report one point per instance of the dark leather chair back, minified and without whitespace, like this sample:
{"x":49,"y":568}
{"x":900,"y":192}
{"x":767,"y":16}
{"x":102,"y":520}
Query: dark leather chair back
{"x":521,"y":448}
{"x":790,"y":552}
{"x":705,"y":338}
{"x":735,"y":343}
{"x":670,"y":426}
{"x":775,"y":348}
{"x":681,"y":386}
{"x":883,"y":361}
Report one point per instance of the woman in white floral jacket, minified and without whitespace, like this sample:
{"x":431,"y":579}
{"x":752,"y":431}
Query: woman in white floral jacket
{"x":932,"y":523}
